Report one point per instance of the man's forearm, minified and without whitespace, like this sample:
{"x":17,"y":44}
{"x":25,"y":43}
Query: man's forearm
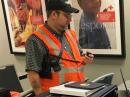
{"x":37,"y":87}
{"x":35,"y":82}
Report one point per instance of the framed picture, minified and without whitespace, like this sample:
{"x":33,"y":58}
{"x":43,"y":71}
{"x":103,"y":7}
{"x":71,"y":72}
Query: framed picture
{"x":100,"y":27}
{"x":22,"y":17}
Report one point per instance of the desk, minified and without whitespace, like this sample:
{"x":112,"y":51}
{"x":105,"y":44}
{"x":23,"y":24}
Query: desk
{"x":108,"y":91}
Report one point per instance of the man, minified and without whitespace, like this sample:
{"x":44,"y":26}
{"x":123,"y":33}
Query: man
{"x":92,"y":34}
{"x":52,"y":53}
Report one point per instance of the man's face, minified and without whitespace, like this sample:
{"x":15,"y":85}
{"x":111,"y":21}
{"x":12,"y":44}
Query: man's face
{"x":90,"y":6}
{"x":63,"y":20}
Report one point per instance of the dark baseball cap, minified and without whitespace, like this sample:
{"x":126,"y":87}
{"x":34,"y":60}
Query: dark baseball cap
{"x":60,"y":5}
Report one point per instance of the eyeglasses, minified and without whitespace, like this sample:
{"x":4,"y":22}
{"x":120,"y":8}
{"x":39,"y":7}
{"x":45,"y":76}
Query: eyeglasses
{"x":67,"y":15}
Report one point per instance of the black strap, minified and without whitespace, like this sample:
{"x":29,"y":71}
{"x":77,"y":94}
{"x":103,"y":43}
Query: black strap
{"x":61,"y":51}
{"x":62,"y":47}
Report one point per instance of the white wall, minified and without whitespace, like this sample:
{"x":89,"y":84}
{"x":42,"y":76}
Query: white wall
{"x":99,"y":67}
{"x":5,"y":56}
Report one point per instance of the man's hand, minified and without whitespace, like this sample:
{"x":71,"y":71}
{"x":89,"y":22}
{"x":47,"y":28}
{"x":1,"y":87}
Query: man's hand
{"x":87,"y":58}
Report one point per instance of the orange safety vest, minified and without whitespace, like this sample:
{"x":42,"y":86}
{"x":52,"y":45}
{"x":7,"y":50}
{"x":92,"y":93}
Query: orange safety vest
{"x":72,"y":71}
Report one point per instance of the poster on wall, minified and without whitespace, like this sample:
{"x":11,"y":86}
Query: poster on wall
{"x":100,"y":26}
{"x":22,"y":17}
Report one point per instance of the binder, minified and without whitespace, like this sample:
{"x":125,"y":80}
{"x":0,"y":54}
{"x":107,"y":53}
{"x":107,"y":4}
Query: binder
{"x":85,"y":85}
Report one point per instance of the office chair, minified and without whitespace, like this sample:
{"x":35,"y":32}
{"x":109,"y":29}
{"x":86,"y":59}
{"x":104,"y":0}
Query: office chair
{"x":9,"y":80}
{"x":107,"y":78}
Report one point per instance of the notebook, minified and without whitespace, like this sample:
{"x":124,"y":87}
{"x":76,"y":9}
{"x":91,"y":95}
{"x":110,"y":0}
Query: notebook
{"x":85,"y":85}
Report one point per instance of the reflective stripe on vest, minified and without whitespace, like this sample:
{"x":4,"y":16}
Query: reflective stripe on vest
{"x":71,"y":71}
{"x":73,"y":44}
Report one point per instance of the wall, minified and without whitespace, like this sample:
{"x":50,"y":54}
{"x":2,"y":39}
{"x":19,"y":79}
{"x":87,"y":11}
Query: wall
{"x":5,"y":56}
{"x":99,"y":67}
